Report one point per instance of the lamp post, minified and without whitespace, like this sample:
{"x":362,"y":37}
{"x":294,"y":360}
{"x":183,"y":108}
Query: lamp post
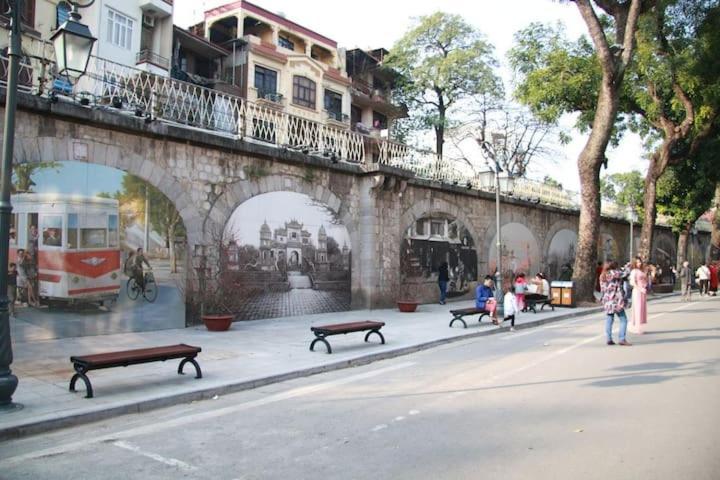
{"x":632,"y":216}
{"x":75,"y":42}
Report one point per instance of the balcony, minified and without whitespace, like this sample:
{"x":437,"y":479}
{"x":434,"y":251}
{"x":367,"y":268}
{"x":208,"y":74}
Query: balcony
{"x":152,"y":59}
{"x":337,"y":119}
{"x":270,"y":99}
{"x":156,"y":8}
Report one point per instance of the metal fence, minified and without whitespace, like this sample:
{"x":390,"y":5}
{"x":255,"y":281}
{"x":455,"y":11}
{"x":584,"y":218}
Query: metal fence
{"x":131,"y":91}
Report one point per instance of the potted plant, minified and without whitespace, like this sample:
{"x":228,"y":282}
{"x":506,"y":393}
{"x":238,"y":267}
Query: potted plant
{"x":407,"y":301}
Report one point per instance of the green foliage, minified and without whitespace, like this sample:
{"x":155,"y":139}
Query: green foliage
{"x":22,"y":175}
{"x":551,"y":182}
{"x":442,"y":61}
{"x":625,"y":188}
{"x":162,"y":215}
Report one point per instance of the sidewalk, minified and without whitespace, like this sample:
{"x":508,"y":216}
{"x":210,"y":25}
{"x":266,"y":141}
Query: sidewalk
{"x":251,"y":354}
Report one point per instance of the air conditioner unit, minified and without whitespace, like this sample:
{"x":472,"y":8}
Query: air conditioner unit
{"x":148,"y":20}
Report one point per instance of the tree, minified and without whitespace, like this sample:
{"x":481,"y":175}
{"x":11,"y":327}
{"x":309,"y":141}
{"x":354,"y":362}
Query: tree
{"x":551,"y":182}
{"x":162,"y":215}
{"x":442,"y":61}
{"x":23,"y":172}
{"x":674,"y":89}
{"x":557,"y":76}
{"x":624,"y":188}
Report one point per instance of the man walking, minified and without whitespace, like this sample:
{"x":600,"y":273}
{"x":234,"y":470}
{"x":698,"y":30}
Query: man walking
{"x":685,"y":281}
{"x":703,"y":276}
{"x":443,"y":278}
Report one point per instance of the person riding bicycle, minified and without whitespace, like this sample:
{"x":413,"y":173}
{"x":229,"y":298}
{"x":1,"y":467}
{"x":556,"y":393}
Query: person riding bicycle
{"x":137,"y":268}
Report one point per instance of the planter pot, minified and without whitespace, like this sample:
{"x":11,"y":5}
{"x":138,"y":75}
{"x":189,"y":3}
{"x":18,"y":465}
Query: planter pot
{"x":407,"y":305}
{"x":217,"y":323}
{"x":663,"y":287}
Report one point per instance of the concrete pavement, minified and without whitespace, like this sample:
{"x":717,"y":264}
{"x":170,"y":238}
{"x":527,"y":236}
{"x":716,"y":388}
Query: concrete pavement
{"x":251,"y":354}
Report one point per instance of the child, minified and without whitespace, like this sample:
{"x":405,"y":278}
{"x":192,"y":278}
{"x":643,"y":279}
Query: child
{"x":12,"y":288}
{"x":521,"y":288}
{"x":510,"y":307}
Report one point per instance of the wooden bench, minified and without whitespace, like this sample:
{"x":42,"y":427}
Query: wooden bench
{"x":462,"y":312}
{"x":531,"y":303}
{"x":324,"y":331}
{"x":85,"y":363}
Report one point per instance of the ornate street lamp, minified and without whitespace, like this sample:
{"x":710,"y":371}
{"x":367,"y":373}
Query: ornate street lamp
{"x":73,"y":43}
{"x":75,"y":54}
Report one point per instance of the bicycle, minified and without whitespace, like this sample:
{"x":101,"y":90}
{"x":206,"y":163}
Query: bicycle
{"x":149,"y":290}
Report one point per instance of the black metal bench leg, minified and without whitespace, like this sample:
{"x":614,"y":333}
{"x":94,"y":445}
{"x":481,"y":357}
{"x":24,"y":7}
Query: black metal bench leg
{"x":198,"y":372}
{"x":320,"y":339}
{"x":382,"y":339}
{"x":88,"y":387}
{"x":458,"y":319}
{"x":483,"y":315}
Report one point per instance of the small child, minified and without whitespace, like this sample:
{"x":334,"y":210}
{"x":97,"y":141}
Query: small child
{"x":510,"y":307}
{"x":12,"y":288}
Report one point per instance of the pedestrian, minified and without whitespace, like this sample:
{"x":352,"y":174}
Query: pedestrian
{"x":31,"y":275}
{"x":21,"y":277}
{"x":443,"y":278}
{"x":613,"y":302}
{"x":639,"y":283}
{"x":510,"y":307}
{"x":521,"y":288}
{"x":713,"y":278}
{"x":598,"y":271}
{"x":703,"y":276}
{"x":484,"y":298}
{"x":627,"y":286}
{"x":673,"y":275}
{"x":685,"y":281}
{"x":12,"y":288}
{"x":650,"y":273}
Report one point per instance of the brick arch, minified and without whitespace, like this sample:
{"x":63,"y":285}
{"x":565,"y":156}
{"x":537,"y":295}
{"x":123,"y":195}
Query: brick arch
{"x":124,"y":158}
{"x":554,"y":229}
{"x":239,"y":192}
{"x":492,"y":232}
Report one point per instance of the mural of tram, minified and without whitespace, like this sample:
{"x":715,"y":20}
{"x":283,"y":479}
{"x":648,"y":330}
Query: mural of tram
{"x":76,"y":243}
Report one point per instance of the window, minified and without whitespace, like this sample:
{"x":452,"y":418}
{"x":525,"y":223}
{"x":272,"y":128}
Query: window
{"x":294,"y":235}
{"x":265,"y":81}
{"x":62,"y":13}
{"x":303,"y":92}
{"x":27,"y":16}
{"x":52,"y":230}
{"x":437,"y":228}
{"x":119,"y":30}
{"x":420,"y":227}
{"x":113,"y":239}
{"x":72,"y":230}
{"x":333,"y":104}
{"x":285,"y":43}
{"x":93,"y":237}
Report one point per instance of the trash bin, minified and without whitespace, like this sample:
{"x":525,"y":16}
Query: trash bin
{"x":562,"y":294}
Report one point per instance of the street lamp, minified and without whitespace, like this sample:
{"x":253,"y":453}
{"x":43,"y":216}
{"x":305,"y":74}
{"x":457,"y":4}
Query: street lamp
{"x":632,"y":216}
{"x":491,"y":149}
{"x":75,"y":46}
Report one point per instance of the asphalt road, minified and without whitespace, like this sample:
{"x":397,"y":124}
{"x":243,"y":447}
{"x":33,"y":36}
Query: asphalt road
{"x":551,"y":402}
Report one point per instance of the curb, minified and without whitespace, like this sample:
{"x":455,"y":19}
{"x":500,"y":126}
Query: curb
{"x":47,"y":425}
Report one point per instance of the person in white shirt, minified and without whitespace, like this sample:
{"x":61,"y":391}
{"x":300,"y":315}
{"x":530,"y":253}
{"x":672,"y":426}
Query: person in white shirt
{"x":510,"y":307}
{"x":703,"y":276}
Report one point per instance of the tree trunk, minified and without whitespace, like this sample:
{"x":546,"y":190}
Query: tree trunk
{"x":440,"y":132}
{"x":658,"y":163}
{"x":589,"y":162}
{"x":682,"y":246}
{"x":715,"y":233}
{"x":171,"y":247}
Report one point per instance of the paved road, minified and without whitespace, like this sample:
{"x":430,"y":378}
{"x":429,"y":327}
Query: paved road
{"x":544,"y":403}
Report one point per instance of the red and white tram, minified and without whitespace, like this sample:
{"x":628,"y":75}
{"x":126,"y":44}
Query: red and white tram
{"x":77,"y":243}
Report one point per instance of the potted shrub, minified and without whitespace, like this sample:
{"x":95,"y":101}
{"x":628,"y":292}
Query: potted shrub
{"x":407,"y":300}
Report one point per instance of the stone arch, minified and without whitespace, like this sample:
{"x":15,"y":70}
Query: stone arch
{"x":242,"y":191}
{"x":554,"y":229}
{"x":437,"y":205}
{"x":491,"y":233}
{"x":68,"y":148}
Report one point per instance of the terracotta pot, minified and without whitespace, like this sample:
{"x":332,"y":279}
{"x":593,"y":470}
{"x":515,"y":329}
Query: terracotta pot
{"x":217,"y":323}
{"x":407,"y":305}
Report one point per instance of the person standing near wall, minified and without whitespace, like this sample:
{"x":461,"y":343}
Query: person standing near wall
{"x":639,"y":283}
{"x":685,"y":281}
{"x":703,"y":276}
{"x":613,"y":301}
{"x":443,"y":278}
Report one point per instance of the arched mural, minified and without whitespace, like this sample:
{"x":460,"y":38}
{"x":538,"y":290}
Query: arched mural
{"x":561,"y":255}
{"x":432,"y":240}
{"x":289,"y":255}
{"x":520,"y":251}
{"x":664,"y":255}
{"x":607,"y":249}
{"x":73,"y":228}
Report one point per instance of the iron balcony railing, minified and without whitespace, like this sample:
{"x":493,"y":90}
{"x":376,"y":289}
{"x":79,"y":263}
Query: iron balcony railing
{"x":131,"y":91}
{"x":148,"y":56}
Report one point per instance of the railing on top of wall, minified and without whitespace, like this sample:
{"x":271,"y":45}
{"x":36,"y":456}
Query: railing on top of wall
{"x":136,"y":92}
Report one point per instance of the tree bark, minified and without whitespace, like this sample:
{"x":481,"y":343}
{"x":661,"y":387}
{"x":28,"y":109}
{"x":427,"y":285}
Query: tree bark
{"x":658,"y":164}
{"x":682,"y":247}
{"x":715,"y":233}
{"x":440,"y":131}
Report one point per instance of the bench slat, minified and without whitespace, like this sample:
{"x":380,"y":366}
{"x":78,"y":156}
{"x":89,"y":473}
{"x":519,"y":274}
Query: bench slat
{"x":347,"y":327}
{"x":137,"y":355}
{"x":468,"y":311}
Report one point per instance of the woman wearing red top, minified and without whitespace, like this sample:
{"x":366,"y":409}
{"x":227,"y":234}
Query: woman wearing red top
{"x":714,"y":278}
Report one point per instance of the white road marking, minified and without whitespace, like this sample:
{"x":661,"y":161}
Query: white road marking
{"x":413,"y":412}
{"x":399,"y":419}
{"x":154,"y":456}
{"x":377,"y":428}
{"x":201,"y":416}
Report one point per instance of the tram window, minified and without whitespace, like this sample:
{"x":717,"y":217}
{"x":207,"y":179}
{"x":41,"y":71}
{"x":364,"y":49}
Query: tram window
{"x":113,"y":240}
{"x":13,"y":229}
{"x":52,"y":230}
{"x":93,"y":238}
{"x":72,"y":230}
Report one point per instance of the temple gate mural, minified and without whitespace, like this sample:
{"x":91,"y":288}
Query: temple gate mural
{"x":520,"y":251}
{"x":288,"y":255}
{"x":435,"y":239}
{"x":561,"y":255}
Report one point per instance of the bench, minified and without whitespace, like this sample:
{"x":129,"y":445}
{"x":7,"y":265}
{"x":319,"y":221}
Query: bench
{"x":462,"y":312}
{"x":85,"y":363}
{"x":531,"y":303}
{"x":324,"y":331}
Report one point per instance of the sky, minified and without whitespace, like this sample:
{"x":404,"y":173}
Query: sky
{"x":380,"y":23}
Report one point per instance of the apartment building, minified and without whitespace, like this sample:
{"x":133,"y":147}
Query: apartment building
{"x":136,"y":33}
{"x":285,"y":66}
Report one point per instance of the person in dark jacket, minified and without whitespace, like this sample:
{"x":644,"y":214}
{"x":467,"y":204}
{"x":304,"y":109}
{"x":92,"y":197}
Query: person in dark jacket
{"x":443,"y":278}
{"x":483,"y":293}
